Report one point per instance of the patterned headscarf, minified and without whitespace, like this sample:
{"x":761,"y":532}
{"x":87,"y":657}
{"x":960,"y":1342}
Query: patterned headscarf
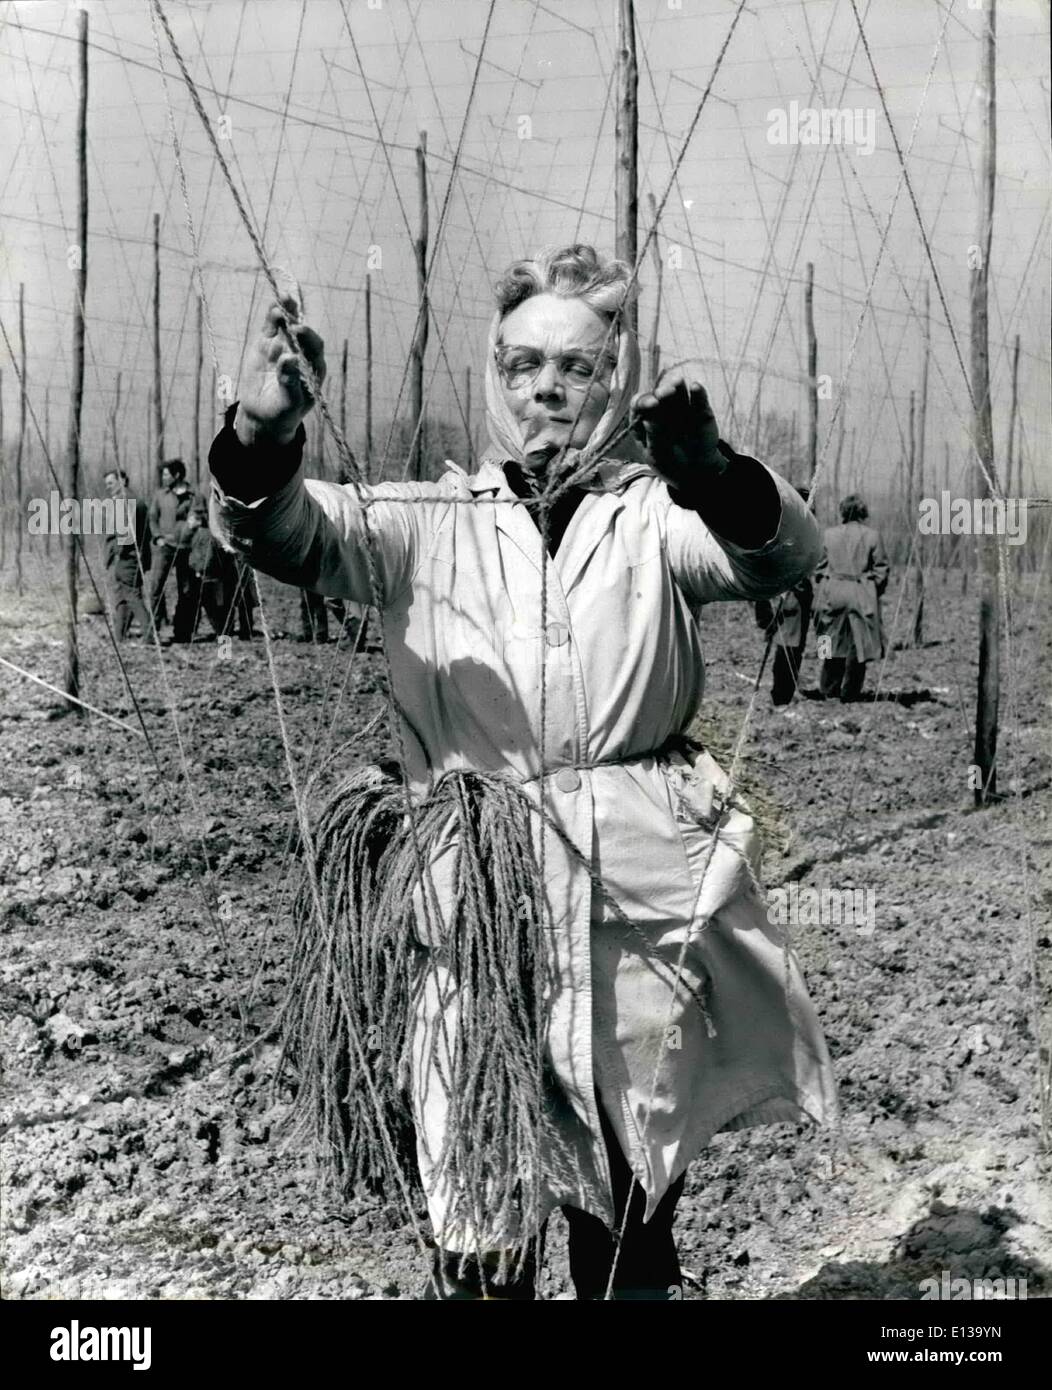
{"x":505,"y":432}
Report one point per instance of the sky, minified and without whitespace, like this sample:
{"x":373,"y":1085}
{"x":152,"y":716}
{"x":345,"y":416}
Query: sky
{"x":320,"y":103}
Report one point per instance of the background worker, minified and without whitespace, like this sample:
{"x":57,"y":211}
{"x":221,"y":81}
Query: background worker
{"x":127,"y":557}
{"x":850,"y":580}
{"x":169,"y":510}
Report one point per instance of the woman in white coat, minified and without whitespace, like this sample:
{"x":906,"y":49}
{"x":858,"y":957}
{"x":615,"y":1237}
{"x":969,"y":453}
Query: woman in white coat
{"x":541,"y":622}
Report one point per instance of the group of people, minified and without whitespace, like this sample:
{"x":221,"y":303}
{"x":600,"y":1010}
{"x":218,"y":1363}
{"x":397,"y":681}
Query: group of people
{"x":843,"y":598}
{"x":171,"y":538}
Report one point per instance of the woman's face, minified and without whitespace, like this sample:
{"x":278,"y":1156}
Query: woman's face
{"x":548,"y":407}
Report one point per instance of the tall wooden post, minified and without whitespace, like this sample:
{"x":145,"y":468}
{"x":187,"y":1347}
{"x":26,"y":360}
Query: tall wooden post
{"x":659,"y":268}
{"x":911,"y":464}
{"x":113,"y":424}
{"x":80,"y":289}
{"x":467,"y":415}
{"x":986,"y":712}
{"x":836,"y":471}
{"x":198,"y":369}
{"x":922,"y":426}
{"x":812,"y":372}
{"x":368,"y":375}
{"x":149,"y":471}
{"x":626,"y":133}
{"x":945,"y":551}
{"x":158,"y":411}
{"x":851,"y":473}
{"x":343,"y":390}
{"x":1010,"y":451}
{"x":3,"y":480}
{"x":20,"y":451}
{"x":417,"y":453}
{"x":48,"y":460}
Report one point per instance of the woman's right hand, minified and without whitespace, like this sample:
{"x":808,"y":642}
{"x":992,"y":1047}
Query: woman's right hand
{"x":276,"y":394}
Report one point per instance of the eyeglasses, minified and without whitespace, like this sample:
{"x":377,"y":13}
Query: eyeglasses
{"x":578,"y":369}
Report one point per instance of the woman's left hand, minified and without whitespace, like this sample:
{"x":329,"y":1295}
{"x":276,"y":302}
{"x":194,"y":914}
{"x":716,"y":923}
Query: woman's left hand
{"x":681,"y":431}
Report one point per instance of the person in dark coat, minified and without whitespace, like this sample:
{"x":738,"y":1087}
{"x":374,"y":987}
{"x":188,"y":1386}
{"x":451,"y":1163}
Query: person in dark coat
{"x":786,"y":620}
{"x":206,"y":568}
{"x":127,"y":559}
{"x":222,"y":583}
{"x":169,"y":511}
{"x":850,"y":580}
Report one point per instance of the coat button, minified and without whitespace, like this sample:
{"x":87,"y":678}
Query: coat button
{"x":557,"y":634}
{"x":567,"y":779}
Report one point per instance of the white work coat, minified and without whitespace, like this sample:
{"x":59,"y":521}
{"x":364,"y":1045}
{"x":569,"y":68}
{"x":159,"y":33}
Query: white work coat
{"x":459,"y":566}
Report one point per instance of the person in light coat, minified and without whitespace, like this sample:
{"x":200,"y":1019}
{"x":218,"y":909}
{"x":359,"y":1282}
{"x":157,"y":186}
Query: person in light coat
{"x":849,"y":583}
{"x":479,"y":616}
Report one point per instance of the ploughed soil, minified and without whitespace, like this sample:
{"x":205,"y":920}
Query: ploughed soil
{"x":141,"y":1149}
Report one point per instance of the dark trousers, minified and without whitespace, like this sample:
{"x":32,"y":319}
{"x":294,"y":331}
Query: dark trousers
{"x":207,"y":595}
{"x":240,"y":593}
{"x":786,"y":673}
{"x":843,"y":676}
{"x":647,"y":1267}
{"x":165,"y":559}
{"x":128,"y":603}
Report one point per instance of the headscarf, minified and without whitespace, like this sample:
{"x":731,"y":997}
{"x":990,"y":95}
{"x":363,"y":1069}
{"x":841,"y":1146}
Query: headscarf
{"x":505,"y":432}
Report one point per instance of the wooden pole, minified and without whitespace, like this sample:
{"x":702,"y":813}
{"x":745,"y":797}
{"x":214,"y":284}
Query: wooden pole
{"x":655,"y":251}
{"x":911,"y":465}
{"x":80,"y":290}
{"x":368,"y":375}
{"x":812,"y":372}
{"x":152,"y":476}
{"x":49,"y":462}
{"x":791,"y":470}
{"x":113,"y":424}
{"x":944,"y":549}
{"x":836,"y":470}
{"x":417,"y":453}
{"x":986,"y":712}
{"x":626,"y":132}
{"x":922,"y":426}
{"x":1013,"y":409}
{"x":343,"y":390}
{"x":20,"y":451}
{"x":851,"y":472}
{"x":158,"y":412}
{"x":3,"y":481}
{"x":198,"y":369}
{"x":467,"y":415}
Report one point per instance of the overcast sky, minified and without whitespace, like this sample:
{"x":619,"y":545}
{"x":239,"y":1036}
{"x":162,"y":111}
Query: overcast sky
{"x":325,"y":100}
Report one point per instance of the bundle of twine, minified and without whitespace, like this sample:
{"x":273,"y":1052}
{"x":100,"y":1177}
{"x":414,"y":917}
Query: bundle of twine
{"x":358,"y":970}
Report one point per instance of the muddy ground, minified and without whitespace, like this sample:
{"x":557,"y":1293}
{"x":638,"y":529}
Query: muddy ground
{"x":139,"y":1153}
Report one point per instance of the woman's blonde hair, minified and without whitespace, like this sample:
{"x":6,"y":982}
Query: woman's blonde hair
{"x":574,"y":272}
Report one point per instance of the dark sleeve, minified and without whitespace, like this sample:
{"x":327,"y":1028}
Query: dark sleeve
{"x":250,"y":473}
{"x":742,"y":506}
